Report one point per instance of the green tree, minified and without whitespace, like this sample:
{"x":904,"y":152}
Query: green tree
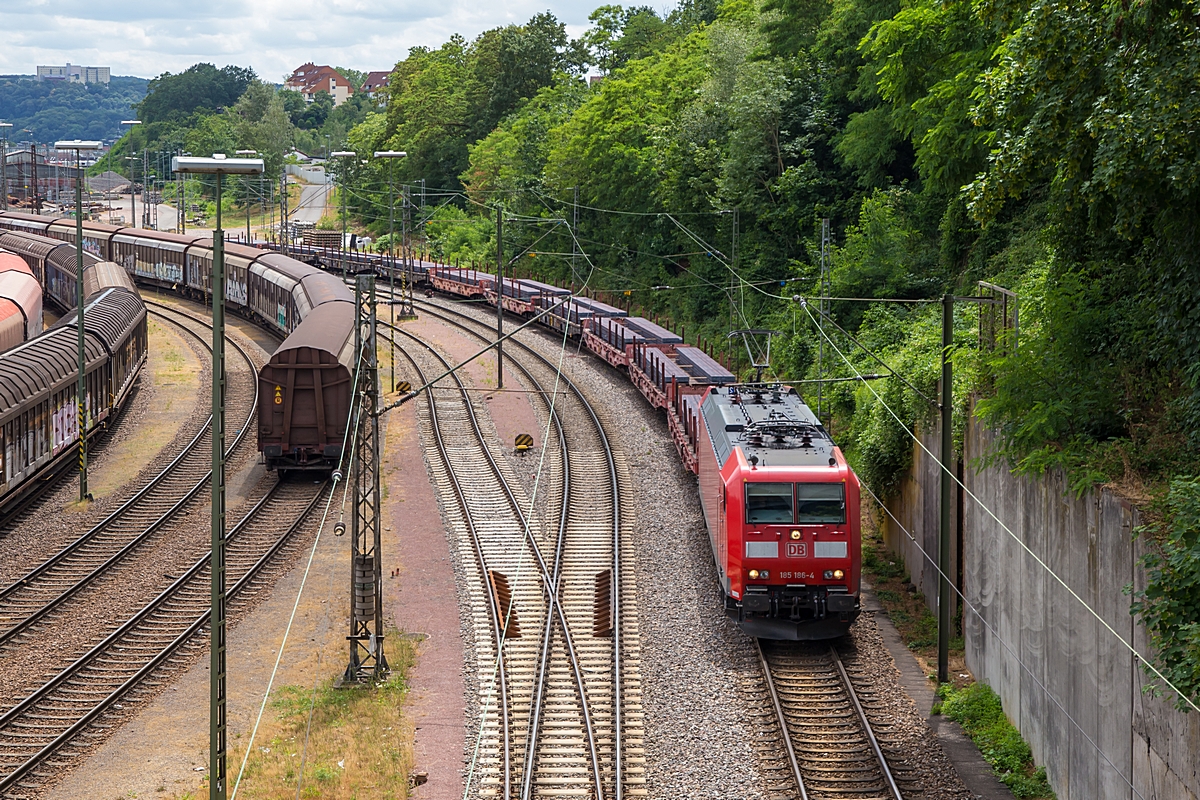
{"x":513,"y":156}
{"x":201,"y":87}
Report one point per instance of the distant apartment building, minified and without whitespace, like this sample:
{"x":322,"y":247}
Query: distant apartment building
{"x":376,"y":82}
{"x":308,"y":79}
{"x":73,"y":73}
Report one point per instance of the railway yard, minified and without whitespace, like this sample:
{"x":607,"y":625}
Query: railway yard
{"x":767,"y":400}
{"x":563,"y":599}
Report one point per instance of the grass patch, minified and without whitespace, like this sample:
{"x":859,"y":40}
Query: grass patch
{"x":977,"y":709}
{"x":359,"y":746}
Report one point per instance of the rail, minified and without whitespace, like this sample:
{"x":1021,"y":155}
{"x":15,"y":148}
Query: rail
{"x":81,"y":556}
{"x":475,"y":328}
{"x":172,"y":618}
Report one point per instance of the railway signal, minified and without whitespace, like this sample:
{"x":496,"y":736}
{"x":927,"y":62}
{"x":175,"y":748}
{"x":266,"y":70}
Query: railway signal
{"x":220,"y":166}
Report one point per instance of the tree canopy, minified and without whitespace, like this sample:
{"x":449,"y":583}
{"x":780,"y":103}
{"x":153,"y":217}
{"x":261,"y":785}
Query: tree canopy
{"x":201,"y":87}
{"x":53,"y":110}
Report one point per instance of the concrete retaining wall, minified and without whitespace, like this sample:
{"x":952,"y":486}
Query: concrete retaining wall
{"x":1068,"y":683}
{"x":918,"y":508}
{"x":317,"y":176}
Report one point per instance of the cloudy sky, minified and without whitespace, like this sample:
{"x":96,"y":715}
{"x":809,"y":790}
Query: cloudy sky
{"x":135,"y":37}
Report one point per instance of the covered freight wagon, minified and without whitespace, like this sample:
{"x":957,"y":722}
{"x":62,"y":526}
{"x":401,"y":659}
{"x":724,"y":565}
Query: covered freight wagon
{"x":304,"y":392}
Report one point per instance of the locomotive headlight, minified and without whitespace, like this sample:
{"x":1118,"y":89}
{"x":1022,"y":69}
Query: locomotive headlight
{"x":753,"y":574}
{"x":838,"y":574}
{"x":797,"y":535}
{"x":828,"y":575}
{"x":764,"y":574}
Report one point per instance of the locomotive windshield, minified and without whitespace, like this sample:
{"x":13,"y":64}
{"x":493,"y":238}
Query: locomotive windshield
{"x":820,"y":503}
{"x":769,"y":503}
{"x":813,"y":503}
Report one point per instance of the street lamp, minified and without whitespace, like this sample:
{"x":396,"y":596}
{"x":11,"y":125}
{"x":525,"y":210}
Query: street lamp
{"x":181,"y":196}
{"x":132,"y":199}
{"x":392,"y":155}
{"x":4,"y":126}
{"x":343,"y":155}
{"x":220,"y":166}
{"x":81,"y":387}
{"x":247,"y":184}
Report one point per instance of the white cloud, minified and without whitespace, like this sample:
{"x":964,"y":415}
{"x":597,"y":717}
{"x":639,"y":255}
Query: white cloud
{"x":274,"y":37}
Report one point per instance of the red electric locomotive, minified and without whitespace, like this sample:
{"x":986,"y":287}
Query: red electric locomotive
{"x":782,"y":508}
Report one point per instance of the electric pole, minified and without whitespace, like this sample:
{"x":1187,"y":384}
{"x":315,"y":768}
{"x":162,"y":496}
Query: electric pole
{"x":824,"y":309}
{"x":574,"y":232}
{"x":499,"y":295}
{"x":368,"y":663}
{"x":947,"y":409}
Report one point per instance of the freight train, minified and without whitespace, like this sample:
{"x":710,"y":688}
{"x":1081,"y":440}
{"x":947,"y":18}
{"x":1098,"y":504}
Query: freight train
{"x":39,"y":373}
{"x":304,"y":391}
{"x":780,"y":502}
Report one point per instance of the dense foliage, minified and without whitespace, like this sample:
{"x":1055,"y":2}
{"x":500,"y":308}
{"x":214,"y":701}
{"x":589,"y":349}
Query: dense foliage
{"x":47,"y":111}
{"x":199,"y":88}
{"x":1170,"y":603}
{"x":1049,"y":148}
{"x":1045,"y":147}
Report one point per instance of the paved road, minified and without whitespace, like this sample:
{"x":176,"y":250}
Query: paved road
{"x":168,"y":217}
{"x":313,"y":198}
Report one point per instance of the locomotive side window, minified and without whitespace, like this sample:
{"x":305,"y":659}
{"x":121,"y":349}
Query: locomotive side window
{"x":820,"y":503}
{"x":769,"y":503}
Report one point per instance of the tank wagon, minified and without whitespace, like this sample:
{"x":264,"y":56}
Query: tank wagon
{"x":20,"y":302}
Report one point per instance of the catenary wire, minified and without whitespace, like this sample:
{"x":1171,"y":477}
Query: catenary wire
{"x":999,"y":638}
{"x":1001,"y":523}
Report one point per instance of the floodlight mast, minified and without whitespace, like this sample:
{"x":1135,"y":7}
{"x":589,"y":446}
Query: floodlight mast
{"x":132,"y":198}
{"x":4,"y":126}
{"x":81,"y":386}
{"x":343,"y":155}
{"x":391,"y":156}
{"x":220,"y":166}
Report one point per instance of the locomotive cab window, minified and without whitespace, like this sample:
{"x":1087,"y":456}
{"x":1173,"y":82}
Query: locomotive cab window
{"x":820,"y":503}
{"x":769,"y":503}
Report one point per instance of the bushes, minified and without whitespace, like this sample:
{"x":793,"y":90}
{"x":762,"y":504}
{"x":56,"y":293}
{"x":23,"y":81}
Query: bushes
{"x":1170,"y":604}
{"x":977,"y":709}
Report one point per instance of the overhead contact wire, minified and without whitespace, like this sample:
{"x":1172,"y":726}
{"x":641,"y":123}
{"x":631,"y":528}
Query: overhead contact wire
{"x":1001,"y":523}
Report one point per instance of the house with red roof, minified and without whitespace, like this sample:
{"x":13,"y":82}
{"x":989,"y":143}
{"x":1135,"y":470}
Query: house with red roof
{"x":376,"y":82}
{"x":308,"y":79}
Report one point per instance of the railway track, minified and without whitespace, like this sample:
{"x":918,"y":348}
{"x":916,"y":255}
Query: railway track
{"x":825,"y":738}
{"x":563,"y":747}
{"x":46,"y":730}
{"x":40,"y":599}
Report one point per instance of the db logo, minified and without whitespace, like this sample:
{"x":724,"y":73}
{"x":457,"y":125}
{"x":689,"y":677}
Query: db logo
{"x":797,"y":549}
